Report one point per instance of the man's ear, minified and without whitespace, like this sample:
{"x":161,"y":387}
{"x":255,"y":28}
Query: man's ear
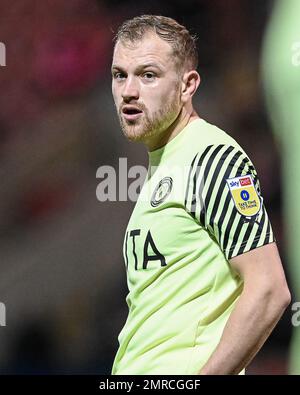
{"x":190,"y":82}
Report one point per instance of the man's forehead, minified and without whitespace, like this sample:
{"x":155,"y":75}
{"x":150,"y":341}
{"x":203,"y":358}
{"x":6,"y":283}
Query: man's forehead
{"x":149,"y":47}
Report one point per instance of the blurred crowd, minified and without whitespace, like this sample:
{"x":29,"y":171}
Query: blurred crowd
{"x":62,"y":276}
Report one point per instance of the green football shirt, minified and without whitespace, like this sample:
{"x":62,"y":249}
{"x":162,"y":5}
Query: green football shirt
{"x":199,"y":206}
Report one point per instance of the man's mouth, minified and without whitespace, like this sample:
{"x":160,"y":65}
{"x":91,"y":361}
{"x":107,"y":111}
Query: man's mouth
{"x":131,"y":112}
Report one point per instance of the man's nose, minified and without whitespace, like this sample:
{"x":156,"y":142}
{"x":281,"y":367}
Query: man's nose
{"x":130,"y":91}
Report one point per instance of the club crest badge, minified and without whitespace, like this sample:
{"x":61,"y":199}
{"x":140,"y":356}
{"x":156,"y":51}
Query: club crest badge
{"x":245,"y":196}
{"x":161,"y":191}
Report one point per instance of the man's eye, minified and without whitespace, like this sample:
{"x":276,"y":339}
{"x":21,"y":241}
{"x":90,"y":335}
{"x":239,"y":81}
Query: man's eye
{"x":119,"y":76}
{"x":149,"y":75}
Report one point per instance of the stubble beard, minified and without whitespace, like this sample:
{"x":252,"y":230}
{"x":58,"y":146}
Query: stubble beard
{"x":147,"y":126}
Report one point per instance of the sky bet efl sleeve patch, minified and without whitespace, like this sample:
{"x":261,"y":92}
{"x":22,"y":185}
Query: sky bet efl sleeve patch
{"x":224,"y":196}
{"x":245,"y":196}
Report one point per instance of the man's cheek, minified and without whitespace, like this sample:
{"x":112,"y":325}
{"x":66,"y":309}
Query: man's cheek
{"x":115,"y":94}
{"x":117,"y":103}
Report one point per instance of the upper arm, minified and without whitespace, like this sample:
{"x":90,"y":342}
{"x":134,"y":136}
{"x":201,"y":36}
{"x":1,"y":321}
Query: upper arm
{"x":260,"y":265}
{"x":262,"y":273}
{"x":224,"y":195}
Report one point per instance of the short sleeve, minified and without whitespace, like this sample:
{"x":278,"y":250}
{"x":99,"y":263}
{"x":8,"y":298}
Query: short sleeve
{"x":223,"y":194}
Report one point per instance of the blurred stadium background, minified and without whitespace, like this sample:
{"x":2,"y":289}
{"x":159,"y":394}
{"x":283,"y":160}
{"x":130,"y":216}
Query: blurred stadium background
{"x":62,"y":273}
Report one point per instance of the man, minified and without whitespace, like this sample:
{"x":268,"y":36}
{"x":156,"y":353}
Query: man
{"x":206,"y":284}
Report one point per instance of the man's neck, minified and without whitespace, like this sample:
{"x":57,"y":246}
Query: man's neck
{"x":180,"y":123}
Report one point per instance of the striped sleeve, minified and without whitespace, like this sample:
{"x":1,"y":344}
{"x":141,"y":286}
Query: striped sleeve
{"x":235,"y":218}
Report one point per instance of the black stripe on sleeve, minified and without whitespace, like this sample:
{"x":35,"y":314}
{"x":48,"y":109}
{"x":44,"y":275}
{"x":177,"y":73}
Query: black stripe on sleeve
{"x":202,"y":183}
{"x":244,"y":242}
{"x":236,"y":236}
{"x":259,"y":230}
{"x":210,"y":161}
{"x":267,"y":238}
{"x":188,"y":182}
{"x":228,"y":228}
{"x":216,"y":173}
{"x":221,"y":189}
{"x":199,"y":164}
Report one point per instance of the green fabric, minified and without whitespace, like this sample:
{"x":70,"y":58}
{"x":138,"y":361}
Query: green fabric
{"x":184,"y":229}
{"x":281,"y":76}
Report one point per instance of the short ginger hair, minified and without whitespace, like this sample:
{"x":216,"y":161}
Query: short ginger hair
{"x":182,"y":42}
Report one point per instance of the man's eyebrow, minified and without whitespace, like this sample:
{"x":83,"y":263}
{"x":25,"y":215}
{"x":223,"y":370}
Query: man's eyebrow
{"x":144,"y":66}
{"x":138,"y":68}
{"x":116,"y":67}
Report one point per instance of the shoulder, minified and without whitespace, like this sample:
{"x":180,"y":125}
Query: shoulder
{"x":209,"y":143}
{"x":204,"y":134}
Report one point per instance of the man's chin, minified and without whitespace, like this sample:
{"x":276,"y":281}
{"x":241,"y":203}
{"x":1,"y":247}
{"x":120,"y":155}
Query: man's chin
{"x":134,"y":134}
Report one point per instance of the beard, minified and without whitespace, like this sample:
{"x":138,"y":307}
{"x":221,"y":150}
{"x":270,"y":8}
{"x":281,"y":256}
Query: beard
{"x":148,"y":125}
